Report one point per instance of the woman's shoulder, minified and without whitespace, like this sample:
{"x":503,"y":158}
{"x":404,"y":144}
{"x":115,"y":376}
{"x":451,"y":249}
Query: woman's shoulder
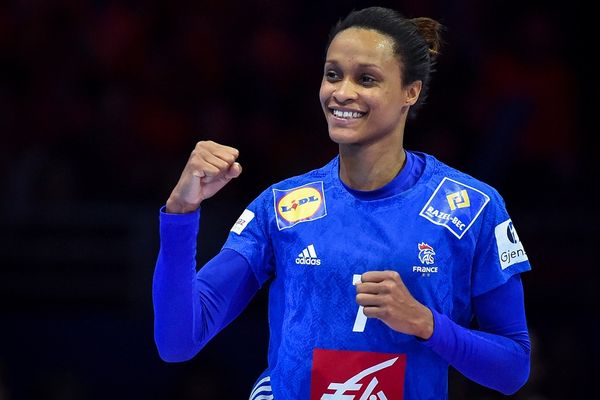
{"x":457,"y":199}
{"x":317,"y":178}
{"x":441,"y":171}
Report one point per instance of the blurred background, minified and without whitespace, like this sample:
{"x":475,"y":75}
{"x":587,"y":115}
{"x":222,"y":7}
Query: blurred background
{"x":101,"y":103}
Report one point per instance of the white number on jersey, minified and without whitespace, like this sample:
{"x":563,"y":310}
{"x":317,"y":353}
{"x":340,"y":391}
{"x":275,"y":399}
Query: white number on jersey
{"x":361,"y":318}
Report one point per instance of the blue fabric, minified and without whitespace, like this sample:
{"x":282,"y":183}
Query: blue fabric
{"x":447,"y":234}
{"x":191,"y":307}
{"x":496,"y":355}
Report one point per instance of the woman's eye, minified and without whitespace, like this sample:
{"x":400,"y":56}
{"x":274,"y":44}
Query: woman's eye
{"x":367,"y":80}
{"x":331,"y":75}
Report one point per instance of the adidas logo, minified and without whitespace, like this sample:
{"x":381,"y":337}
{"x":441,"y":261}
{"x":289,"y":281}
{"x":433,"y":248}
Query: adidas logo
{"x":308,"y":256}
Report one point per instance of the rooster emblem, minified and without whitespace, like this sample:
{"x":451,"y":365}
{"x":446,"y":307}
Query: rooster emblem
{"x":426,"y":253}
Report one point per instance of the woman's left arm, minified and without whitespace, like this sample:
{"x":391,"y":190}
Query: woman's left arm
{"x":496,"y":355}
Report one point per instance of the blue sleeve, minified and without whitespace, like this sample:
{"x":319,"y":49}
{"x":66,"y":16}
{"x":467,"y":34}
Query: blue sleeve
{"x":499,"y":253}
{"x":496,"y":355}
{"x":191,"y":307}
{"x":250,"y":237}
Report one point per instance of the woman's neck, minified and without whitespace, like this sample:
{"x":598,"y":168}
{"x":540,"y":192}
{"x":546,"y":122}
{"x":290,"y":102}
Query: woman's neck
{"x":369,"y":167}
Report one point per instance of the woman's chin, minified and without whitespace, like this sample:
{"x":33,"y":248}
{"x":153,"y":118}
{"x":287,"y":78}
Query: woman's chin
{"x":343,"y":136}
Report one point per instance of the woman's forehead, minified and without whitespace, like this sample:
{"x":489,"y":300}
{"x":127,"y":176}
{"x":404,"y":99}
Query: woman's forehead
{"x":364,"y":46}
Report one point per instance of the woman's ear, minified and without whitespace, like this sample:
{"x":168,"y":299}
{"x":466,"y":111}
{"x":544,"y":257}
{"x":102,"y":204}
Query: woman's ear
{"x":412,"y":92}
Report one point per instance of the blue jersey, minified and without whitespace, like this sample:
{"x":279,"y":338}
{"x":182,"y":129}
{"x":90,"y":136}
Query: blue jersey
{"x":449,"y":237}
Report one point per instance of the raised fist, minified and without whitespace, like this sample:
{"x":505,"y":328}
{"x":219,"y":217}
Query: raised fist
{"x":210,"y":167}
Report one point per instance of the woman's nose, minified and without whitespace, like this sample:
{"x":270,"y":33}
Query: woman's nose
{"x":344,"y":91}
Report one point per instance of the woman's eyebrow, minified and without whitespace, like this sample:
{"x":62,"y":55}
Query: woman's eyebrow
{"x":362,"y":65}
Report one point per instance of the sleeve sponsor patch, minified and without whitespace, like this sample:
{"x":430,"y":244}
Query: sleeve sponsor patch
{"x":510,"y":248}
{"x":242,"y":221}
{"x":300,"y":204}
{"x":455,"y":206}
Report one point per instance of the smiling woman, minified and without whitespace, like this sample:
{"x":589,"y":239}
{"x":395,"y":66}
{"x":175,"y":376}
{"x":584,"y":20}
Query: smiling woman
{"x":362,"y":92}
{"x":366,"y":103}
{"x":377,"y":262}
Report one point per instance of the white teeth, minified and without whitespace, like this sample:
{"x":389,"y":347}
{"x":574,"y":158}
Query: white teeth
{"x":347,"y":114}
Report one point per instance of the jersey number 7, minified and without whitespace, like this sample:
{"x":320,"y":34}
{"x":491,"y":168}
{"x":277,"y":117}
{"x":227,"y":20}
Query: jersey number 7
{"x":361,"y":318}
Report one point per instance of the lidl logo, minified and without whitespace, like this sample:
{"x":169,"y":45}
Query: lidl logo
{"x":300,"y":204}
{"x":458,"y":200}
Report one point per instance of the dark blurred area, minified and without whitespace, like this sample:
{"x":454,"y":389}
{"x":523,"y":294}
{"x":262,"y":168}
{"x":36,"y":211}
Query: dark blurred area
{"x":101,"y":103}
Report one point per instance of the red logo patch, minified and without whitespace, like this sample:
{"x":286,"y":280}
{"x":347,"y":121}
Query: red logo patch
{"x":357,"y":375}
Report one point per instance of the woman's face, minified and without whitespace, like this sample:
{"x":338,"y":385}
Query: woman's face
{"x":362,"y":93}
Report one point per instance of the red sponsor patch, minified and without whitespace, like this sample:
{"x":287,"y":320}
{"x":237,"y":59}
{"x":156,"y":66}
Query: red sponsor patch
{"x":357,"y":375}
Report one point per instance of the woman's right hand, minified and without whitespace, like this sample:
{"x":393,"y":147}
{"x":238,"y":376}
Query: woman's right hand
{"x":210,"y":167}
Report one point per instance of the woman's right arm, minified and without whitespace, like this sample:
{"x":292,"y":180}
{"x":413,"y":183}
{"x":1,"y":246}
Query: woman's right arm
{"x":191,"y":307}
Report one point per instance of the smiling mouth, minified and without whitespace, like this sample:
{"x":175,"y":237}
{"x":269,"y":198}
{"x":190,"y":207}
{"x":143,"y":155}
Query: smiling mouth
{"x":347,"y":114}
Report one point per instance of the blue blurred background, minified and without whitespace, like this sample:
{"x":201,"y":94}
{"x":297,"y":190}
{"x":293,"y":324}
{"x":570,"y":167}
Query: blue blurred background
{"x":101,"y":103}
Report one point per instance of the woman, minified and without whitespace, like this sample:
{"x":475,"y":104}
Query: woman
{"x":378,"y":261}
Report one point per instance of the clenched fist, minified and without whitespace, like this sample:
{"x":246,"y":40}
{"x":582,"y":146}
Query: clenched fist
{"x":384,"y":296}
{"x":210,"y":167}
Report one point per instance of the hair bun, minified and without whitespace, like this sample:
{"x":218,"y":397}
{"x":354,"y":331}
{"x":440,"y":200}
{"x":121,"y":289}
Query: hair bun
{"x":431,"y":31}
